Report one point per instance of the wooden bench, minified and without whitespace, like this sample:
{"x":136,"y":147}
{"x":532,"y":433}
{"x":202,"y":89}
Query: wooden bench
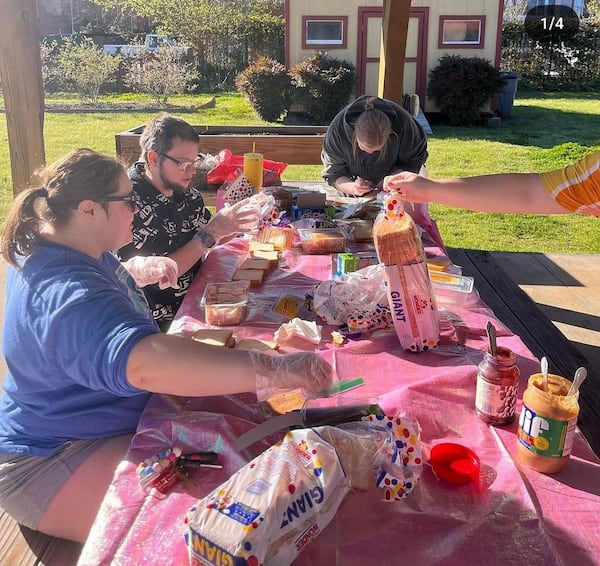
{"x":20,"y":546}
{"x":523,"y":317}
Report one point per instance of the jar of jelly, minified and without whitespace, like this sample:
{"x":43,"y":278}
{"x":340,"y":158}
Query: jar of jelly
{"x":497,"y":387}
{"x":547,"y":423}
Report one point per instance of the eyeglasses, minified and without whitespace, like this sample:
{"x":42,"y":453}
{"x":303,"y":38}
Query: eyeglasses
{"x":131,"y":199}
{"x":183,"y":165}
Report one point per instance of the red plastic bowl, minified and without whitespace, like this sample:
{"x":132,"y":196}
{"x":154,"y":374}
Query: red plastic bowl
{"x":454,"y":463}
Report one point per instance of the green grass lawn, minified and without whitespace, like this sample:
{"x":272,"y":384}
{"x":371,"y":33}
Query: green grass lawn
{"x":544,"y":132}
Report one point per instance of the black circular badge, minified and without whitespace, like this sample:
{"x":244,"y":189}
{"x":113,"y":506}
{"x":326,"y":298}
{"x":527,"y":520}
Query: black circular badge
{"x":553,"y":23}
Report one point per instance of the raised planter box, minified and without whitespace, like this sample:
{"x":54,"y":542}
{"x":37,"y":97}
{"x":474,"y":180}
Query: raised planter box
{"x":298,"y":145}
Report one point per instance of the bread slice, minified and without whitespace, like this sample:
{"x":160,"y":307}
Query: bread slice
{"x":255,"y":276}
{"x":214,"y":337}
{"x":255,"y":344}
{"x":271,"y":256}
{"x":256,"y":263}
{"x":285,"y":402}
{"x":397,"y":242}
{"x":256,"y":246}
{"x":438,"y":263}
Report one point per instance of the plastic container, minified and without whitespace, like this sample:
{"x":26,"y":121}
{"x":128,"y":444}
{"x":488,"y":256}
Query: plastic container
{"x":348,"y":262}
{"x":452,"y":282}
{"x":547,"y":424}
{"x":225,"y":303}
{"x":282,"y":237}
{"x":323,"y":240}
{"x":497,"y":387}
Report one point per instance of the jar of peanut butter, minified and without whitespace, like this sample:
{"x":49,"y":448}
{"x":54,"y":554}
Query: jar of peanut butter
{"x":547,"y":423}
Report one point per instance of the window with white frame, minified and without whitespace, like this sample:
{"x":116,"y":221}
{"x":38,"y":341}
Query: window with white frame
{"x":324,"y":31}
{"x":461,"y":31}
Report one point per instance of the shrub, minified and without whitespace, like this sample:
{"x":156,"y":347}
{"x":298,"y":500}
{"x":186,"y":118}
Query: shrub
{"x":86,"y":67}
{"x":322,"y":86}
{"x":159,"y":74}
{"x":49,"y":65}
{"x":461,"y":86}
{"x":265,"y":85}
{"x":572,"y":65}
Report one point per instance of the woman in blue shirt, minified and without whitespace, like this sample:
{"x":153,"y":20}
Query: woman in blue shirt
{"x":83,"y":352}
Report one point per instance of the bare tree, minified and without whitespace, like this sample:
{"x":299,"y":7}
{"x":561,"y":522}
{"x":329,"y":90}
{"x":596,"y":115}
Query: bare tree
{"x":160,"y":74}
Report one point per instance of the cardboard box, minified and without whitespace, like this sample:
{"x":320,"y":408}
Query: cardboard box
{"x":310,"y":199}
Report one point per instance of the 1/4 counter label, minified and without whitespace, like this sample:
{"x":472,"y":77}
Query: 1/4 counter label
{"x":551,"y":24}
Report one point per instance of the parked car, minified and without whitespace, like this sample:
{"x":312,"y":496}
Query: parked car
{"x":152,"y":42}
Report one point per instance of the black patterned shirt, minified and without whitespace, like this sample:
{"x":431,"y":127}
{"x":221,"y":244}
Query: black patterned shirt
{"x":162,"y":226}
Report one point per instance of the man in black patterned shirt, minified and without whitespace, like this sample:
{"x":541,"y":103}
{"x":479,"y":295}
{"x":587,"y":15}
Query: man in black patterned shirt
{"x":172,"y":219}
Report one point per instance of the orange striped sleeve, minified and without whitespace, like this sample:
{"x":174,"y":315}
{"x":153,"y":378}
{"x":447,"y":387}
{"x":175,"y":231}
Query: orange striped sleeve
{"x":577,"y":186}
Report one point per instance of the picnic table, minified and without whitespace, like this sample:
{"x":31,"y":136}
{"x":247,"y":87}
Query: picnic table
{"x":512,"y":515}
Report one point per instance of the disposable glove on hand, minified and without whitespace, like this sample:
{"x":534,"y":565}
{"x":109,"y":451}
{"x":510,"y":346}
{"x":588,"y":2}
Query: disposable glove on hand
{"x":276,"y":373}
{"x":239,"y":218}
{"x":153,"y":269}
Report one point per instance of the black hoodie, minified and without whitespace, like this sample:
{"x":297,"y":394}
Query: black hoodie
{"x":406,"y":149}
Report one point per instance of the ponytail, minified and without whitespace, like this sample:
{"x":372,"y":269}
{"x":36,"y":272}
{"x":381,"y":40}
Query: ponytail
{"x":22,"y":225}
{"x":370,"y":103}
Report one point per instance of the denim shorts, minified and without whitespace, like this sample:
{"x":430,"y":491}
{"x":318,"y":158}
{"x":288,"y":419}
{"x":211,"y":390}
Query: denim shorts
{"x":28,"y":484}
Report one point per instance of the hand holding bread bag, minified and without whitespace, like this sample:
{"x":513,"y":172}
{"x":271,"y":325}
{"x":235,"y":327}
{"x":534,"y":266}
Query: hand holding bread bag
{"x":409,"y":290}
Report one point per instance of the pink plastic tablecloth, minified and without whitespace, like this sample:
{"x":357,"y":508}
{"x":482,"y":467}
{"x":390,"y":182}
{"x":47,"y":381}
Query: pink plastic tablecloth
{"x":513,"y":515}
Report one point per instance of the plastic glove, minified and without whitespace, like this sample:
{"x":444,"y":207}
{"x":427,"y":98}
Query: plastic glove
{"x":147,"y":270}
{"x":241,"y":217}
{"x":276,"y":373}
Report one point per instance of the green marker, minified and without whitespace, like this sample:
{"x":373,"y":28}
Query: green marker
{"x":346,"y":385}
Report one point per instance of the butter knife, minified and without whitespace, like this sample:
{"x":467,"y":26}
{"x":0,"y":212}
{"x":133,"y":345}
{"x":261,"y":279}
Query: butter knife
{"x":304,"y":418}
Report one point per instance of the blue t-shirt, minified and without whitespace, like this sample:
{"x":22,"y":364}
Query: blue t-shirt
{"x":70,"y":323}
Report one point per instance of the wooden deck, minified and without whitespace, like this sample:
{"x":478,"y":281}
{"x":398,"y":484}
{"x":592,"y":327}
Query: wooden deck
{"x":20,"y":546}
{"x":497,"y":278}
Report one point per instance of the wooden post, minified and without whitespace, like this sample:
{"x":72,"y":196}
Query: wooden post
{"x":394,"y":33}
{"x":22,"y":87}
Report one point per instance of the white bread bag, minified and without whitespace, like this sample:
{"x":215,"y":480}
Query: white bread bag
{"x":269,"y":510}
{"x":410,"y":294}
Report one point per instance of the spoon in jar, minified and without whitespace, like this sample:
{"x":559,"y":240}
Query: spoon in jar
{"x":544,"y":367}
{"x":580,"y":375}
{"x":490,"y":330}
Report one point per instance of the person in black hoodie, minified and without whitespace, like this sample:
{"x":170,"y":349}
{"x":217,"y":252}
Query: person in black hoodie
{"x":369,"y":139}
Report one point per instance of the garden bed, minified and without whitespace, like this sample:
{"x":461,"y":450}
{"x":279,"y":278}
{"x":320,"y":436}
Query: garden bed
{"x":298,"y":145}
